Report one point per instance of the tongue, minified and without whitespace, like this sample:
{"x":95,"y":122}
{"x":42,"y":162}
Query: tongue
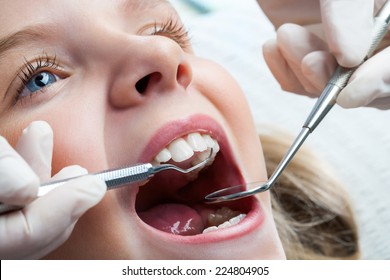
{"x":174,"y":218}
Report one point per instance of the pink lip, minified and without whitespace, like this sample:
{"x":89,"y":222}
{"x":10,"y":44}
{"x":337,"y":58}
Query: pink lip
{"x":252,"y":221}
{"x":161,"y":138}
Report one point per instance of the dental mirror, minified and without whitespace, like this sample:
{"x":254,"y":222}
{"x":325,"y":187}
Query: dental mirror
{"x":237,"y":192}
{"x":243,"y":191}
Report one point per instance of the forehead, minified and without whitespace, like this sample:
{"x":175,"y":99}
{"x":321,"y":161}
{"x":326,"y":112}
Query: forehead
{"x":71,"y":21}
{"x":16,"y":14}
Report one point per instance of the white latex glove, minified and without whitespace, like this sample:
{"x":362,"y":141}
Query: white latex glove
{"x":44,"y":223}
{"x":303,"y":59}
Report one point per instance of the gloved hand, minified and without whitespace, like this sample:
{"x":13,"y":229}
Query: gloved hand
{"x":302,"y":59}
{"x":44,"y":223}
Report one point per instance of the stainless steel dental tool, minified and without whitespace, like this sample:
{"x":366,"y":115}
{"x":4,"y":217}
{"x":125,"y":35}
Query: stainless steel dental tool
{"x":116,"y":178}
{"x":325,"y":102}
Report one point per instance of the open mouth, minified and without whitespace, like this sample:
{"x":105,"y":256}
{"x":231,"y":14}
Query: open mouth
{"x":174,"y":203}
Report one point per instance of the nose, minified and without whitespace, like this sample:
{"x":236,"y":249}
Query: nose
{"x":150,"y":66}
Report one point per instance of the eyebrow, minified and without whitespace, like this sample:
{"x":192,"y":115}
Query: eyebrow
{"x":28,"y":34}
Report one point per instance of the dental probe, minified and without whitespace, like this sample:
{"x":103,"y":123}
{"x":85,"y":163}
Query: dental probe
{"x":323,"y":105}
{"x":116,"y":178}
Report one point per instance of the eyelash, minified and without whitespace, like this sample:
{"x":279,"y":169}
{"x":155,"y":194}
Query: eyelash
{"x":174,"y":30}
{"x":29,"y":69}
{"x":171,"y":29}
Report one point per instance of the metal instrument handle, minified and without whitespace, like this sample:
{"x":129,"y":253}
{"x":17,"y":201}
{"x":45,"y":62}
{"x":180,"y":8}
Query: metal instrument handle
{"x":114,"y":178}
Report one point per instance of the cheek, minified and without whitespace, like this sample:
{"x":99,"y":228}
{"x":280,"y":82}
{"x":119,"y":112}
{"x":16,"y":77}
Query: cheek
{"x":11,"y":129}
{"x":224,"y":92}
{"x":78,"y":132}
{"x":78,"y":140}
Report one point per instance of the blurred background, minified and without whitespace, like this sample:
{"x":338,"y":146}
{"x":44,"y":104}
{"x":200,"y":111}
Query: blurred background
{"x":354,"y":142}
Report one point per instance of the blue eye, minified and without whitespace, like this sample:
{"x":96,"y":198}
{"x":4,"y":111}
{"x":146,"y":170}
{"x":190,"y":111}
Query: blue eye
{"x":38,"y":82}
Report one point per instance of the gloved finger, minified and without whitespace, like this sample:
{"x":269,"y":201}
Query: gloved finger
{"x":280,"y":69}
{"x":296,"y":42}
{"x":18,"y":182}
{"x":348,"y":27}
{"x":46,"y":223}
{"x":318,"y":67}
{"x":36,"y":147}
{"x":69,"y":171}
{"x":378,"y":4}
{"x":371,"y":81}
{"x":382,"y":103}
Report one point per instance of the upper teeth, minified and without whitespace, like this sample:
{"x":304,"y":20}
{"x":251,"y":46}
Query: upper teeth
{"x":184,"y":148}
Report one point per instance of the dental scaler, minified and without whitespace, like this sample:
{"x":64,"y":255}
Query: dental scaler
{"x":117,"y":178}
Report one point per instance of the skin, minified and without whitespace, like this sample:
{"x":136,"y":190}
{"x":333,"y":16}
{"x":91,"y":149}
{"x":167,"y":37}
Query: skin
{"x":100,"y":121}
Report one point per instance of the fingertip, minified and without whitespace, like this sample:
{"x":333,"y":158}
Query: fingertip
{"x":287,"y":28}
{"x":100,"y":186}
{"x":70,"y":171}
{"x":350,"y":57}
{"x":297,"y":40}
{"x":355,"y":94}
{"x":286,"y":32}
{"x":344,"y":101}
{"x":269,"y":46}
{"x":88,"y":191}
{"x":318,"y":66}
{"x":39,"y":128}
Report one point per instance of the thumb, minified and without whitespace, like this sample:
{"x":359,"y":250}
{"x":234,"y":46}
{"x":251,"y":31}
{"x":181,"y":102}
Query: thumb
{"x":370,"y":82}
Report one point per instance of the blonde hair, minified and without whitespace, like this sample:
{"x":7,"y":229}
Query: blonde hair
{"x":312,"y":211}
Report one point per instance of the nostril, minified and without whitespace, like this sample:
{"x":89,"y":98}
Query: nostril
{"x":142,"y":84}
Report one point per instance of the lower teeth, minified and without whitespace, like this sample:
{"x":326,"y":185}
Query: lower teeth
{"x":223,"y":218}
{"x":220,"y":216}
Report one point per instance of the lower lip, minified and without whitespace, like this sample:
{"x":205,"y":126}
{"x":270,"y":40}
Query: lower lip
{"x":253,"y":221}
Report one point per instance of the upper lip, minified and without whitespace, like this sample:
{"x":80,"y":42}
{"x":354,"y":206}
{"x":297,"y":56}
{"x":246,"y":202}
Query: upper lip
{"x":173,"y":130}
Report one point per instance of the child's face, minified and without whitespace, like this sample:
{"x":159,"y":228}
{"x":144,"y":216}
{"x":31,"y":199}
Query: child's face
{"x":116,"y":94}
